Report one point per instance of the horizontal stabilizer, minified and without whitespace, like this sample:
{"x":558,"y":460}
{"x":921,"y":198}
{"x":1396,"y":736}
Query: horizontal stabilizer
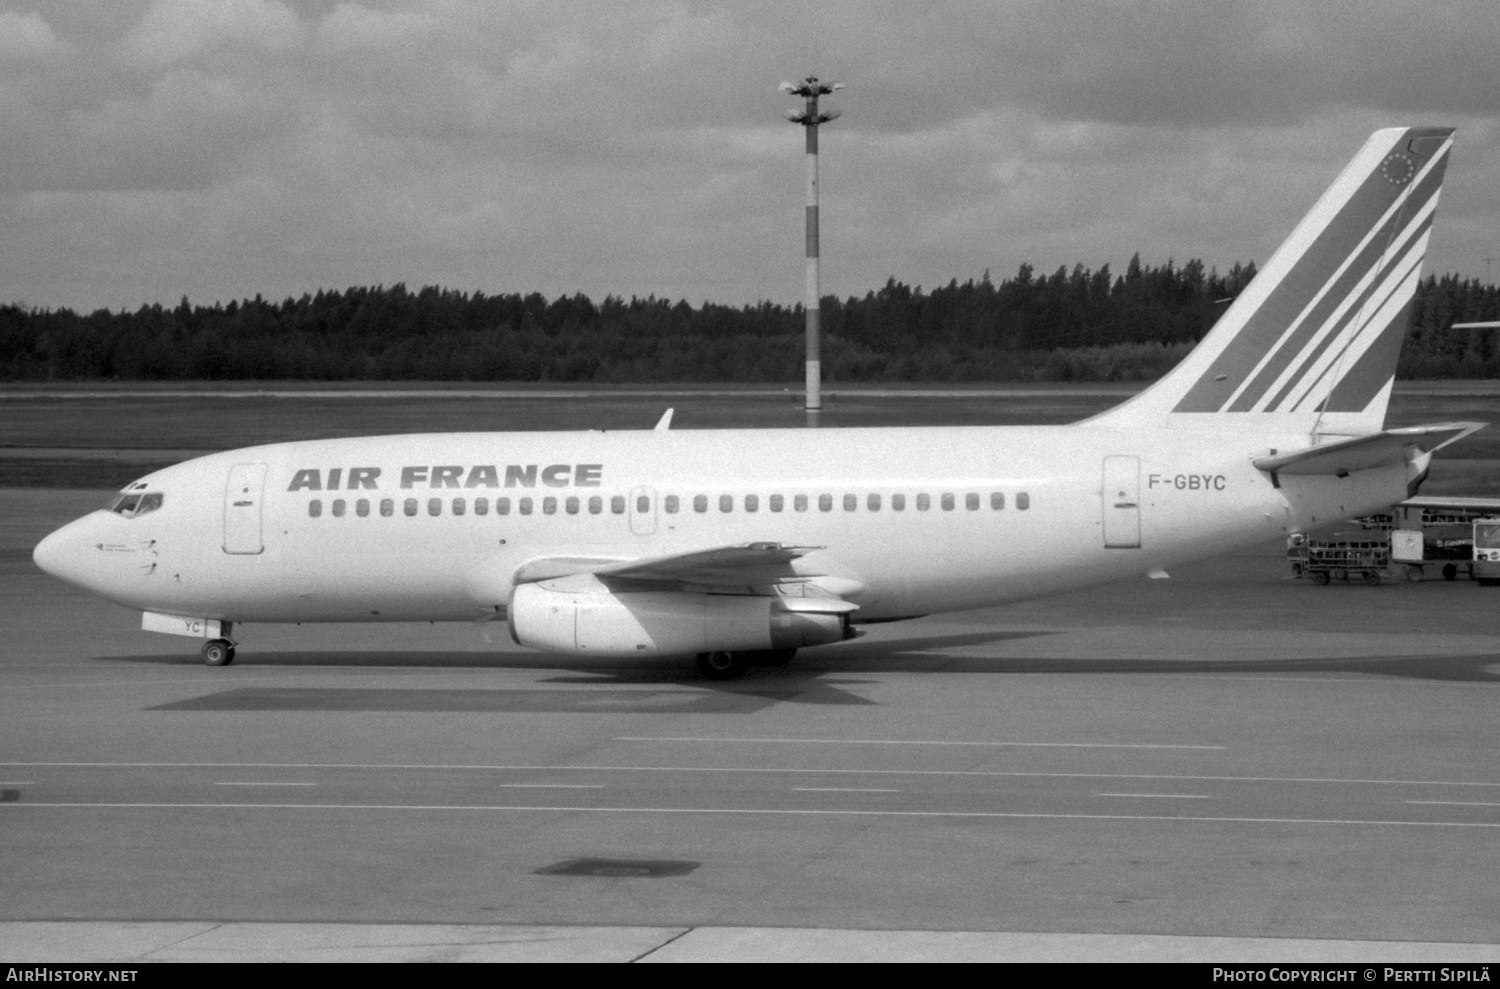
{"x":1387,"y":448}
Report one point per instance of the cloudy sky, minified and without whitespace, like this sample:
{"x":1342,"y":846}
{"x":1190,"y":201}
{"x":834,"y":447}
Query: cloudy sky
{"x":151,"y":149}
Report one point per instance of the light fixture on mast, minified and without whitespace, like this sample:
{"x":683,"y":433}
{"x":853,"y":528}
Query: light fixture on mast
{"x":809,"y":117}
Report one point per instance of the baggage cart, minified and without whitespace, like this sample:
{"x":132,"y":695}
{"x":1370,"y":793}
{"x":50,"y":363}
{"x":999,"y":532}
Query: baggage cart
{"x":1361,"y":554}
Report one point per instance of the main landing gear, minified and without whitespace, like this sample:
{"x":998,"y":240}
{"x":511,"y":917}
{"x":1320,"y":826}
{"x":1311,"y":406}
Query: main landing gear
{"x":725,"y":665}
{"x":219,"y":652}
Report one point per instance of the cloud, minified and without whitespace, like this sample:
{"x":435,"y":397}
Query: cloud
{"x":363,"y":30}
{"x":638,"y":148}
{"x":174,"y":31}
{"x":184,"y":132}
{"x":27,"y":37}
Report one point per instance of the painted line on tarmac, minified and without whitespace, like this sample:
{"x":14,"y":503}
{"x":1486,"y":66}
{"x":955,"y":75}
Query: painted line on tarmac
{"x":264,"y":784}
{"x":258,"y":676}
{"x":241,"y":674}
{"x":903,"y":741}
{"x":840,"y":789}
{"x":480,"y":767}
{"x":64,"y":684}
{"x":261,"y":675}
{"x":1375,"y":677}
{"x":763,"y":811}
{"x":210,"y":942}
{"x":1452,"y":803}
{"x":1161,"y":796}
{"x":552,"y":786}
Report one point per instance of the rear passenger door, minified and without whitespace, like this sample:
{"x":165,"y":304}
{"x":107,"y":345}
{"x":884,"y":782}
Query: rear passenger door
{"x":1122,"y":509}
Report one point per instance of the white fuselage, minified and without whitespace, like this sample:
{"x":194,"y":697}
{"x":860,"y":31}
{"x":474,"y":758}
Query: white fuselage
{"x":907,"y":521}
{"x":741,"y":545}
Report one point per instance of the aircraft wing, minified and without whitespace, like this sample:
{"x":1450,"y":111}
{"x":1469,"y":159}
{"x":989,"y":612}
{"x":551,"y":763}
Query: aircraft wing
{"x":1364,"y":452}
{"x":742,"y":565}
{"x":752,"y":563}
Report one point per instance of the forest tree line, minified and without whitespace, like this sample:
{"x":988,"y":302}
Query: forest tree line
{"x":1077,"y":325}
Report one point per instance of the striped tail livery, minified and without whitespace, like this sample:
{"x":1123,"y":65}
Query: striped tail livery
{"x":1310,"y":346}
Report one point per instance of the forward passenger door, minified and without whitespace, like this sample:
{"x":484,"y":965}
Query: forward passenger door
{"x":243,"y":497}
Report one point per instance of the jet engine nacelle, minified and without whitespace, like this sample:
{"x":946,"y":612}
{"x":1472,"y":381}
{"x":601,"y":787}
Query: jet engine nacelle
{"x":551,"y":616}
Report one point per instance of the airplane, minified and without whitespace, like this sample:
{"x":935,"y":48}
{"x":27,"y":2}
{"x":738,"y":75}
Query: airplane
{"x":741,"y":546}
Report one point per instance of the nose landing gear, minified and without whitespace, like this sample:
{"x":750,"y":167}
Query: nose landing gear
{"x":220,"y":651}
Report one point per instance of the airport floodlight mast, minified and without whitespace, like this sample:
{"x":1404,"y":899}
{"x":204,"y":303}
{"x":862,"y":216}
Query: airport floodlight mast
{"x":810,"y":117}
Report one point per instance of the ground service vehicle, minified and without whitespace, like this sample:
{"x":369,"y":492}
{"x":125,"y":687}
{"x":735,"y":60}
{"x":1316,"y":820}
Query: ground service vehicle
{"x":1437,"y":534}
{"x":1340,"y":555}
{"x":1412,"y":539}
{"x":1487,"y":551}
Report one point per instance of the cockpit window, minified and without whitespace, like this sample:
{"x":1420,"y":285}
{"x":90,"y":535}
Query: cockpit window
{"x":133,"y":505}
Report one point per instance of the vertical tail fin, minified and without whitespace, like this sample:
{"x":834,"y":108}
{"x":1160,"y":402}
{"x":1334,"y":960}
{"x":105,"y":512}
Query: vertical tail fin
{"x":1311,"y":344}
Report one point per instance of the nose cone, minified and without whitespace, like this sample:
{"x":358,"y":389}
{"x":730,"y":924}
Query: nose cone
{"x":50,"y":553}
{"x":62,"y":553}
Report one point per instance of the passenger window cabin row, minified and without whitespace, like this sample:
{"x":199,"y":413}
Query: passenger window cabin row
{"x":947,"y":501}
